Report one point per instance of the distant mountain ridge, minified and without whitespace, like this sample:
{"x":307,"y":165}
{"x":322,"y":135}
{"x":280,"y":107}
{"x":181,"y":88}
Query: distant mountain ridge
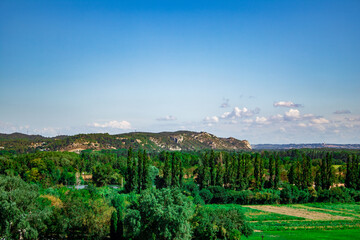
{"x":303,"y":145}
{"x":173,"y":141}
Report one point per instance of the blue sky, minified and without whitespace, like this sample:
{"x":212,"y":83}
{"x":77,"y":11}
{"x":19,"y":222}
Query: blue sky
{"x":265,"y":71}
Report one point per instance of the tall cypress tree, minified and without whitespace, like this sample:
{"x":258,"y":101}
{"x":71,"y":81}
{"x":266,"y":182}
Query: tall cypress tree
{"x":129,"y":177}
{"x":181,"y":172}
{"x":219,"y":175}
{"x":277,"y":173}
{"x":114,"y":225}
{"x":271,"y":171}
{"x":349,"y":172}
{"x":306,"y":177}
{"x":291,"y":174}
{"x":166,"y":171}
{"x":356,"y":172}
{"x":239,"y":170}
{"x":261,"y":173}
{"x":140,"y":170}
{"x":145,"y":171}
{"x":227,"y":170}
{"x":174,"y":170}
{"x":246,"y":173}
{"x":212,"y":162}
{"x":257,"y":171}
{"x":206,"y":179}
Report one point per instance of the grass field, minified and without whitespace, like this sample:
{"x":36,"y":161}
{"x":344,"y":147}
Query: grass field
{"x":352,"y":234}
{"x":302,"y":221}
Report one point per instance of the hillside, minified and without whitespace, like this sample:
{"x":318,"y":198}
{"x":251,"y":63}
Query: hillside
{"x":173,"y":141}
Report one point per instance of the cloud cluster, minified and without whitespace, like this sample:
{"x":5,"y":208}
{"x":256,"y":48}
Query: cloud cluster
{"x":287,"y":104}
{"x":167,"y":118}
{"x":113,"y":124}
{"x":231,"y":117}
{"x":237,"y":113}
{"x":213,"y":119}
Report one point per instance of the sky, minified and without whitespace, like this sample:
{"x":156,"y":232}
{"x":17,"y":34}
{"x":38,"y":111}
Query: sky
{"x":265,"y":71}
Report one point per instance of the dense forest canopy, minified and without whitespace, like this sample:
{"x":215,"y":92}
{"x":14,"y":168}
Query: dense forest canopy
{"x":124,"y":188}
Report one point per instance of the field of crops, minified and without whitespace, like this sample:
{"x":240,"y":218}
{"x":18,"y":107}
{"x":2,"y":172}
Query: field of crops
{"x":302,"y":221}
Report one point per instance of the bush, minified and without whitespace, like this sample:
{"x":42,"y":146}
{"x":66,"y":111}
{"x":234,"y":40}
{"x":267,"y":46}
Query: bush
{"x":335,"y":194}
{"x":191,"y":187}
{"x":289,"y":194}
{"x":159,"y":214}
{"x":206,"y":195}
{"x":219,"y":194}
{"x":220,"y":224}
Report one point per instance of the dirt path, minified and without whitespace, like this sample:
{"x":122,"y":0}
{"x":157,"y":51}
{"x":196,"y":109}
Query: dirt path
{"x":298,"y":212}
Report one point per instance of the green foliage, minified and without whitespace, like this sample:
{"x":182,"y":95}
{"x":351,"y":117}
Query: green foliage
{"x":159,"y":214}
{"x":206,"y":195}
{"x":105,"y":174}
{"x":220,"y":224}
{"x":22,"y":212}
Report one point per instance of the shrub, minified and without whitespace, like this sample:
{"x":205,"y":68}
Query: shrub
{"x":219,"y":194}
{"x":220,"y":224}
{"x":206,"y":195}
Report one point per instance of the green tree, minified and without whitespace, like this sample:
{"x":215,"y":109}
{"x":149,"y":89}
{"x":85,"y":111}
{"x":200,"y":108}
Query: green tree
{"x":140,"y":173}
{"x":22,"y":212}
{"x":167,"y":171}
{"x":220,"y":223}
{"x":212,"y":162}
{"x":130,"y":176}
{"x":271,"y":171}
{"x":159,"y":214}
{"x":277,"y":173}
{"x":145,"y":183}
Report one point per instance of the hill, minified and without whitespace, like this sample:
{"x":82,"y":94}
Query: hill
{"x":173,"y":141}
{"x":304,"y":145}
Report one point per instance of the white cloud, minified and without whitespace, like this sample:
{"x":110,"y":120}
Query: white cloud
{"x":261,"y":120}
{"x":292,"y":114}
{"x":319,"y":120}
{"x":248,"y":120}
{"x":239,"y":113}
{"x":213,"y":119}
{"x":113,"y":124}
{"x":167,"y":118}
{"x":286,"y":104}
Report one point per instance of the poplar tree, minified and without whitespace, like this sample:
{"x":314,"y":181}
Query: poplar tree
{"x":277,"y":173}
{"x":271,"y":171}
{"x":140,"y":170}
{"x":239,"y":170}
{"x":181,"y":172}
{"x":291,"y":174}
{"x":246,"y":173}
{"x":306,"y":179}
{"x":166,"y":171}
{"x":261,"y":173}
{"x":130,"y":177}
{"x":227,"y":170}
{"x":145,"y":171}
{"x":349,"y":173}
{"x":212,"y":162}
{"x":219,"y":174}
{"x":257,"y":171}
{"x":174,"y":170}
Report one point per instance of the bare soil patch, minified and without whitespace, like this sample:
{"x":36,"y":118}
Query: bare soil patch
{"x":298,"y":212}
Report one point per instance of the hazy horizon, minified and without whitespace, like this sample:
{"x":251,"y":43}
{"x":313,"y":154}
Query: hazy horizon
{"x":275,"y":72}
